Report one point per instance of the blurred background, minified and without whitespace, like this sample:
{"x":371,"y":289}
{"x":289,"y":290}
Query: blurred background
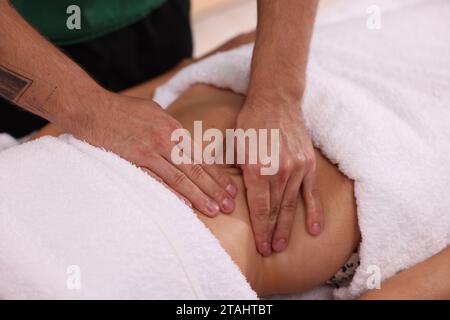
{"x":214,"y":21}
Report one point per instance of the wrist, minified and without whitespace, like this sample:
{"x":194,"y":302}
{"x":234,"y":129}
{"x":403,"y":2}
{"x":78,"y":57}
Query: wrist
{"x":77,"y":112}
{"x":278,"y":83}
{"x":275,"y":96}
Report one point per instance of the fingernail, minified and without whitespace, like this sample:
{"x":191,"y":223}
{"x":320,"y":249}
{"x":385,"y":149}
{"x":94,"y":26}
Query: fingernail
{"x":279,"y":245}
{"x":315,"y":228}
{"x":264,"y":249}
{"x":212,"y":207}
{"x":228,"y":204}
{"x":231,"y":190}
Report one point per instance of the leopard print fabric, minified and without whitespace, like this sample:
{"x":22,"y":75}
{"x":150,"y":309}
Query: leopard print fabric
{"x":345,"y":275}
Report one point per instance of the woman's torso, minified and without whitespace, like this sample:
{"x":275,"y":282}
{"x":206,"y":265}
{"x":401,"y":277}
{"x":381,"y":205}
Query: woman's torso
{"x":308,"y":261}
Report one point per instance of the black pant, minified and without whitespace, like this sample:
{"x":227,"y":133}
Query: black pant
{"x":121,"y":59}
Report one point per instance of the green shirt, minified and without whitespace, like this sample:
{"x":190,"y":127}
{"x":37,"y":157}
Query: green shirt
{"x":98,"y":17}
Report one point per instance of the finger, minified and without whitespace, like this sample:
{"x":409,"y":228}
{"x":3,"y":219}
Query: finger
{"x":276,"y":195}
{"x":277,"y":188}
{"x":157,"y":178}
{"x":222,"y":179}
{"x":200,"y":177}
{"x":288,"y":210}
{"x":258,"y":195}
{"x":178,"y":181}
{"x":314,"y":211}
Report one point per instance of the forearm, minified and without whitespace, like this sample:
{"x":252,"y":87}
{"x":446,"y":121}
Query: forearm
{"x":239,"y":40}
{"x":427,"y":280}
{"x":36,"y":76}
{"x":281,"y":49}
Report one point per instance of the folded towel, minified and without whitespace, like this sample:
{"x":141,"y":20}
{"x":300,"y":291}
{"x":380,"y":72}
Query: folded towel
{"x":79,"y":222}
{"x":377,"y":103}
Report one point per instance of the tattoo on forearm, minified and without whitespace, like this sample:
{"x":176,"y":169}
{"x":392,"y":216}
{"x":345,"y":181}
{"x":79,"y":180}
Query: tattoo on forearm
{"x":12,"y":84}
{"x":23,"y":91}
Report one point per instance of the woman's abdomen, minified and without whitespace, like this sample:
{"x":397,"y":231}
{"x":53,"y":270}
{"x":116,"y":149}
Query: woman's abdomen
{"x":308,"y":261}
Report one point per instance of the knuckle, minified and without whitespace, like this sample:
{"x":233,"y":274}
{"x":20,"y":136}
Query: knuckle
{"x":282,"y":171}
{"x":290,"y":164}
{"x":173,"y":125}
{"x":273,"y":214}
{"x":300,"y":162}
{"x":285,"y":170}
{"x":179,"y":178}
{"x":289,"y":205}
{"x":196,"y":172}
{"x":260,"y":214}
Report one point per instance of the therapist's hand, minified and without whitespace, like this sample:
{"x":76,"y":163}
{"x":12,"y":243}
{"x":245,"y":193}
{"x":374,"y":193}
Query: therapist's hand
{"x":276,"y":85}
{"x":52,"y":86}
{"x":273,"y":199}
{"x":140,"y":131}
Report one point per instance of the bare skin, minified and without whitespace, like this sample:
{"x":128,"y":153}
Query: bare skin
{"x":429,"y":279}
{"x":36,"y":76}
{"x":308,"y":261}
{"x":277,"y":79}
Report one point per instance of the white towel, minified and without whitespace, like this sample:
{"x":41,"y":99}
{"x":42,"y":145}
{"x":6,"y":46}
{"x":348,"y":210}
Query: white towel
{"x":79,"y":222}
{"x":377,"y":103}
{"x":6,"y":141}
